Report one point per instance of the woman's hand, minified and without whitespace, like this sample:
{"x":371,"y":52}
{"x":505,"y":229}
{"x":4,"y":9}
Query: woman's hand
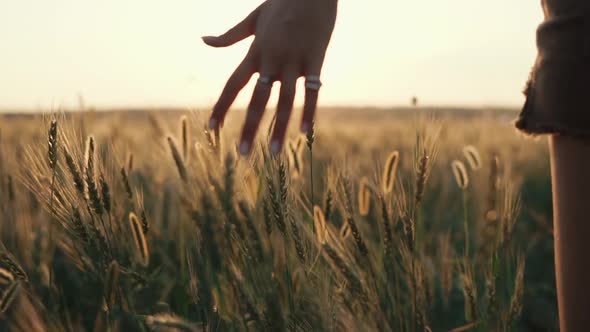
{"x":291,"y":38}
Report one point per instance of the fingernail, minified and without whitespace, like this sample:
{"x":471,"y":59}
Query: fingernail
{"x":304,"y":128}
{"x":212,"y":123}
{"x":244,"y":148}
{"x":275,"y":147}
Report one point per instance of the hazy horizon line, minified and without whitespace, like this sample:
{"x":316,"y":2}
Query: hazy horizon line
{"x":171,"y":107}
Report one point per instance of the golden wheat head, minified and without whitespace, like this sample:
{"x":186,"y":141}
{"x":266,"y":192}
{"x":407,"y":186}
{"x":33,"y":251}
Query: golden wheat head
{"x":460,"y":173}
{"x":364,"y":197}
{"x":319,"y":222}
{"x":472,"y":156}
{"x":389,"y":172}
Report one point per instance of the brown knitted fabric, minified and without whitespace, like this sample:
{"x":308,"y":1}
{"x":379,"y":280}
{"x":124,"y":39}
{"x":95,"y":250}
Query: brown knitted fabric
{"x":558,"y":91}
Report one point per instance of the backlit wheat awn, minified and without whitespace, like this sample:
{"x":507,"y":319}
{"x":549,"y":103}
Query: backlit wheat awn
{"x":139,"y":239}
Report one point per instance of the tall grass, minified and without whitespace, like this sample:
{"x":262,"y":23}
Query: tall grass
{"x":148,"y":238}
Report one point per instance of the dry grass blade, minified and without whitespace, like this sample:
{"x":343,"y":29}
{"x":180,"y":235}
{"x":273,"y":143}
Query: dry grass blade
{"x":389,"y":172}
{"x":139,"y":239}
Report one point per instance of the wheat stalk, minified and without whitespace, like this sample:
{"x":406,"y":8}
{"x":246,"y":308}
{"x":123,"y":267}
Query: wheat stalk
{"x":180,"y":165}
{"x":139,"y":239}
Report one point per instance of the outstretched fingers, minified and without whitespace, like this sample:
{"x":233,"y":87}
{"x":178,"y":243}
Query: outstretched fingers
{"x":234,"y":85}
{"x":284,"y":110}
{"x":309,"y":108}
{"x":255,"y":112}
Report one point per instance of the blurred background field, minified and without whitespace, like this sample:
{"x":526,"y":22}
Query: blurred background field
{"x":350,"y":141}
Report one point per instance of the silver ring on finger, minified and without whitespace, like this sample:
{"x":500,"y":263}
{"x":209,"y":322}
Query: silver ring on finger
{"x":265,"y":80}
{"x":313,"y":82}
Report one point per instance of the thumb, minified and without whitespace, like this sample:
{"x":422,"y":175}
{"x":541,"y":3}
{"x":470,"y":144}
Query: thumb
{"x":241,"y":31}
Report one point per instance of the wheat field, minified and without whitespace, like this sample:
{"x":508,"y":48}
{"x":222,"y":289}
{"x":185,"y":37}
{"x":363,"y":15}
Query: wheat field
{"x":380,"y":220}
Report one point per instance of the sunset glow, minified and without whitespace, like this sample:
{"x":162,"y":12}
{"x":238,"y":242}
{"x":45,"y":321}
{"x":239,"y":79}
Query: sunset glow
{"x":149,"y":53}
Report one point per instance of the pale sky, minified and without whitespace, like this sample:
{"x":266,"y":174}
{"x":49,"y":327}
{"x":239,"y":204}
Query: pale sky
{"x":149,"y":53}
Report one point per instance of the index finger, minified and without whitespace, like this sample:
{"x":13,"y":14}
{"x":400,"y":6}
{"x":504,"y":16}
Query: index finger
{"x":234,"y":85}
